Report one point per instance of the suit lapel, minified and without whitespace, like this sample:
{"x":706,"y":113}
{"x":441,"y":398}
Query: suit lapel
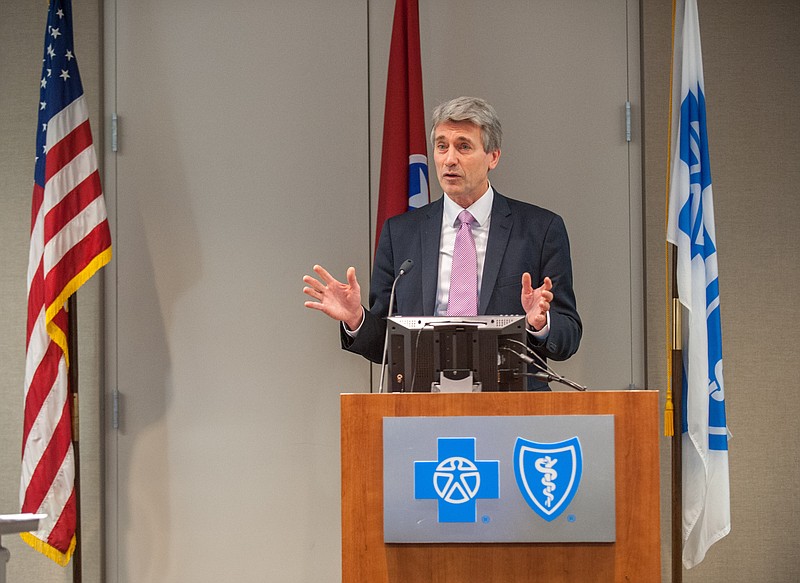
{"x":430,"y":234}
{"x":499,"y":232}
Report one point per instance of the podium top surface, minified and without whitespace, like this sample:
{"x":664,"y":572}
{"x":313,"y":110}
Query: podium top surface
{"x":567,"y":391}
{"x":11,"y":523}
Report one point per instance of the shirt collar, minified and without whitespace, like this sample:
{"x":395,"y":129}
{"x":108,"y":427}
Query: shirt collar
{"x":481,"y":209}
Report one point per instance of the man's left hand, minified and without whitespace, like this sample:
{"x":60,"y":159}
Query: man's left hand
{"x":536,"y":302}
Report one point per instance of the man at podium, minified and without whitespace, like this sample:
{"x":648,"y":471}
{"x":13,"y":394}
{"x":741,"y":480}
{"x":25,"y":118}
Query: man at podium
{"x":474,"y":252}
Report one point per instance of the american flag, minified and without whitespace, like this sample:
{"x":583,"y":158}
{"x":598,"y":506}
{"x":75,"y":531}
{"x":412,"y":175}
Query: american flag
{"x":70,"y":241}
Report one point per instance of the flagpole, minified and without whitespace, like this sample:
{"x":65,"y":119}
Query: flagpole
{"x":677,"y":444}
{"x":72,"y":347}
{"x":675,"y":359}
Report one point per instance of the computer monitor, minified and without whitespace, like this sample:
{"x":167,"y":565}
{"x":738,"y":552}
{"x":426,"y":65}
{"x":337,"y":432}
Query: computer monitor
{"x":463,"y":354}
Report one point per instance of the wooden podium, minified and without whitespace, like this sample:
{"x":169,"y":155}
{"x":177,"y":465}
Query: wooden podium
{"x":635,"y":556}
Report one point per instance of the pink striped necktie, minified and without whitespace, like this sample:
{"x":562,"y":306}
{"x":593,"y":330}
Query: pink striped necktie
{"x":463,"y":297}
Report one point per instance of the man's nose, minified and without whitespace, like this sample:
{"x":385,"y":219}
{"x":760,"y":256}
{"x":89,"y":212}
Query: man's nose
{"x":449,"y":158}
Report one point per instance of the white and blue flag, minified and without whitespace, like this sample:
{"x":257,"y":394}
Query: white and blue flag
{"x":706,"y":490}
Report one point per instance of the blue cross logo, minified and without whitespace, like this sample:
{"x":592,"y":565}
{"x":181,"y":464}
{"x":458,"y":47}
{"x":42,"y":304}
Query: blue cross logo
{"x":456,"y":479}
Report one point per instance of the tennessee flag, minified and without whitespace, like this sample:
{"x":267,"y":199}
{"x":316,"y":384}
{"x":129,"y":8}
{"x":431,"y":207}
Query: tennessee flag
{"x":404,"y":158}
{"x":70,"y":241}
{"x":706,"y":490}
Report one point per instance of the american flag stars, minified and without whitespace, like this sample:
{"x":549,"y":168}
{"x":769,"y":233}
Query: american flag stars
{"x":59,"y":57}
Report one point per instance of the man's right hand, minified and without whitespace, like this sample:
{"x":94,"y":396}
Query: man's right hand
{"x":340,"y":301}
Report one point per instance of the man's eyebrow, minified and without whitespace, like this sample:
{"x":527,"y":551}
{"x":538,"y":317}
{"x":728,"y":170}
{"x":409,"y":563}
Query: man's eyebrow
{"x":441,"y":138}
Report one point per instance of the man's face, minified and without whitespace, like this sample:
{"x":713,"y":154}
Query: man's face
{"x":461,"y":164}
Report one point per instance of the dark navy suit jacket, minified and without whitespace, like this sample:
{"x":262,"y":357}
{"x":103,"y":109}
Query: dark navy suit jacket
{"x":522,"y":237}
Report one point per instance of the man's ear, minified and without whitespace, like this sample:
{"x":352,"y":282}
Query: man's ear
{"x":495,"y":158}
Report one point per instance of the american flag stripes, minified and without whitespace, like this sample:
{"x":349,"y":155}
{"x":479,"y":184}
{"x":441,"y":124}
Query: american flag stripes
{"x":70,"y":241}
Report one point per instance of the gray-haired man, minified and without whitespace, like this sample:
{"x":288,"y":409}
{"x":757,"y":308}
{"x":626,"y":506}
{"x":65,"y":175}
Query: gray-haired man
{"x":515,"y":244}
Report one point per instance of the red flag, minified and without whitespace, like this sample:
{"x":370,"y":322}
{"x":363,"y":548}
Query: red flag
{"x":70,"y":241}
{"x":404,"y":159}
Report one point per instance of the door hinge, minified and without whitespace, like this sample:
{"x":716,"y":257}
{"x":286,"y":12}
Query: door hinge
{"x":115,"y":409}
{"x":114,"y":133}
{"x":627,"y":121}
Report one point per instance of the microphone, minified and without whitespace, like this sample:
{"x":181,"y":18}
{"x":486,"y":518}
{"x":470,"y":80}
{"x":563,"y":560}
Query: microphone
{"x":547,"y":377}
{"x":545,"y":374}
{"x":405,"y":267}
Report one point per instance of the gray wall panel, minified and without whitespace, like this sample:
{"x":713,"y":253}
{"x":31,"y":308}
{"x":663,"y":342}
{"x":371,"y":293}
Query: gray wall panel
{"x":242,"y":162}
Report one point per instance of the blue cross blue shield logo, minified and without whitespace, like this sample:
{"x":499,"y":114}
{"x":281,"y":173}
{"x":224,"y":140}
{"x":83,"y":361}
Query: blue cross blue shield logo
{"x":548,"y":474}
{"x":456,"y":479}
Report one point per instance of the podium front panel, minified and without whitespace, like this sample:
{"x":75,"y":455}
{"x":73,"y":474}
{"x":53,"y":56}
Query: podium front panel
{"x":633,"y":556}
{"x":537,"y":478}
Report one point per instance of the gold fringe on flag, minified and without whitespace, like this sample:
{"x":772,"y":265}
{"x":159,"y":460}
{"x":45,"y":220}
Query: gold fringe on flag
{"x":48,"y":551}
{"x":56,"y":333}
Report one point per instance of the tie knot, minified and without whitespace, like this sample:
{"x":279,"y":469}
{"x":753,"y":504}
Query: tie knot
{"x":466,"y":218}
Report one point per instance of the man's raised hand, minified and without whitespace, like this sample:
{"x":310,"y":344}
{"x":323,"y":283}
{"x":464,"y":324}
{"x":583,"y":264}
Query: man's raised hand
{"x":536,"y":302}
{"x":340,"y":301}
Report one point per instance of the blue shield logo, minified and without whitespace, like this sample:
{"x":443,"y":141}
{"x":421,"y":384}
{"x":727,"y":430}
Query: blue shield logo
{"x":548,"y":474}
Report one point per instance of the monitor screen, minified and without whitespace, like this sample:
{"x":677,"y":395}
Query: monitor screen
{"x":461,"y":354}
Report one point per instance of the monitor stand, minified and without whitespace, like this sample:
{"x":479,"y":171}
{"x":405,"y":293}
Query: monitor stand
{"x":449,"y":382}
